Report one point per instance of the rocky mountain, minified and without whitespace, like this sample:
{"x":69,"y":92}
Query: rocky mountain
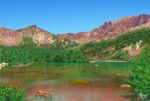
{"x":111,"y":29}
{"x":9,"y":37}
{"x":38,"y":35}
{"x":108,"y":30}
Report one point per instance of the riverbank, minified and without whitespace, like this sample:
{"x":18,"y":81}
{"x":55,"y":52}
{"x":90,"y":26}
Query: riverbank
{"x":22,"y":65}
{"x":94,"y":61}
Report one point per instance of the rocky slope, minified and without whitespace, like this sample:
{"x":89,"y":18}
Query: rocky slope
{"x":107,"y":31}
{"x":9,"y":37}
{"x":111,"y":29}
{"x":38,"y":35}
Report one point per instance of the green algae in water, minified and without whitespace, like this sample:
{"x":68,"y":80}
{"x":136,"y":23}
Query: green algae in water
{"x":43,"y":99}
{"x":66,"y":71}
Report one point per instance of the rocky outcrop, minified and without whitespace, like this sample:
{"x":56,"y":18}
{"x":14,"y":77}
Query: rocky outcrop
{"x":125,"y":86}
{"x":2,"y":65}
{"x":134,"y":51}
{"x":12,"y":38}
{"x":107,"y":31}
{"x":38,"y":35}
{"x":9,"y":37}
{"x":111,"y":29}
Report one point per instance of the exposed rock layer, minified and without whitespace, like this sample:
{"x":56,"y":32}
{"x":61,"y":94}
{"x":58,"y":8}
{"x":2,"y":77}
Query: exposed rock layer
{"x":107,"y":31}
{"x":9,"y":37}
{"x":38,"y":35}
{"x":111,"y":29}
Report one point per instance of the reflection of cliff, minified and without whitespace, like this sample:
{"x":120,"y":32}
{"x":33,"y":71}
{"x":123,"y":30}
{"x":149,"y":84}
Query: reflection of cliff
{"x":134,"y":51}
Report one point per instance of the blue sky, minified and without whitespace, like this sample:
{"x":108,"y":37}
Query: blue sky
{"x":62,"y":16}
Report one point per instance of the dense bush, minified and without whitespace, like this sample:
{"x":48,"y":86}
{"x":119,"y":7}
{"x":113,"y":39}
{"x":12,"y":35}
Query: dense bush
{"x":140,"y":81}
{"x":28,"y":52}
{"x":8,"y":93}
{"x":140,"y":75}
{"x":24,"y":55}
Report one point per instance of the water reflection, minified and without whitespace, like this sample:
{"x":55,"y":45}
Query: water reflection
{"x":77,"y":82}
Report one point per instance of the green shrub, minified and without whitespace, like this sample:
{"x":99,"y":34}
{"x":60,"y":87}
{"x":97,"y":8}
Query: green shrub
{"x":8,"y":93}
{"x":140,"y":75}
{"x":28,"y":41}
{"x":26,"y":54}
{"x":140,"y":80}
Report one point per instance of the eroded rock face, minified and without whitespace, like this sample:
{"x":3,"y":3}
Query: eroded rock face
{"x":134,"y":52}
{"x":9,"y":37}
{"x":107,"y":31}
{"x":111,"y":29}
{"x":38,"y":35}
{"x":12,"y":38}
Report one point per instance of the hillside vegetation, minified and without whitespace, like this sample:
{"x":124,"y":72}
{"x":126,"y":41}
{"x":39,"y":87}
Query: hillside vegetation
{"x":28,"y":52}
{"x":113,"y":49}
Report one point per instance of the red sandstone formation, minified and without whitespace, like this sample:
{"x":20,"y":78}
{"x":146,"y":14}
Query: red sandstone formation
{"x":107,"y":31}
{"x":110,"y":29}
{"x":9,"y":37}
{"x":38,"y":35}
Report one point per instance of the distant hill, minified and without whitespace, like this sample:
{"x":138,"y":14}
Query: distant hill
{"x":109,"y":30}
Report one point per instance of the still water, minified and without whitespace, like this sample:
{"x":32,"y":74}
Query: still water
{"x":72,"y":81}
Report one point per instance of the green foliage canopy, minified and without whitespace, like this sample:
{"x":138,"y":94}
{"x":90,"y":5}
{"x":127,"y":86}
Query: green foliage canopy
{"x":8,"y":93}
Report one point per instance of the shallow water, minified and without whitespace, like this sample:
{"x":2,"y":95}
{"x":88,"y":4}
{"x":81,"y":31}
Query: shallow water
{"x":98,"y":90}
{"x":103,"y":81}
